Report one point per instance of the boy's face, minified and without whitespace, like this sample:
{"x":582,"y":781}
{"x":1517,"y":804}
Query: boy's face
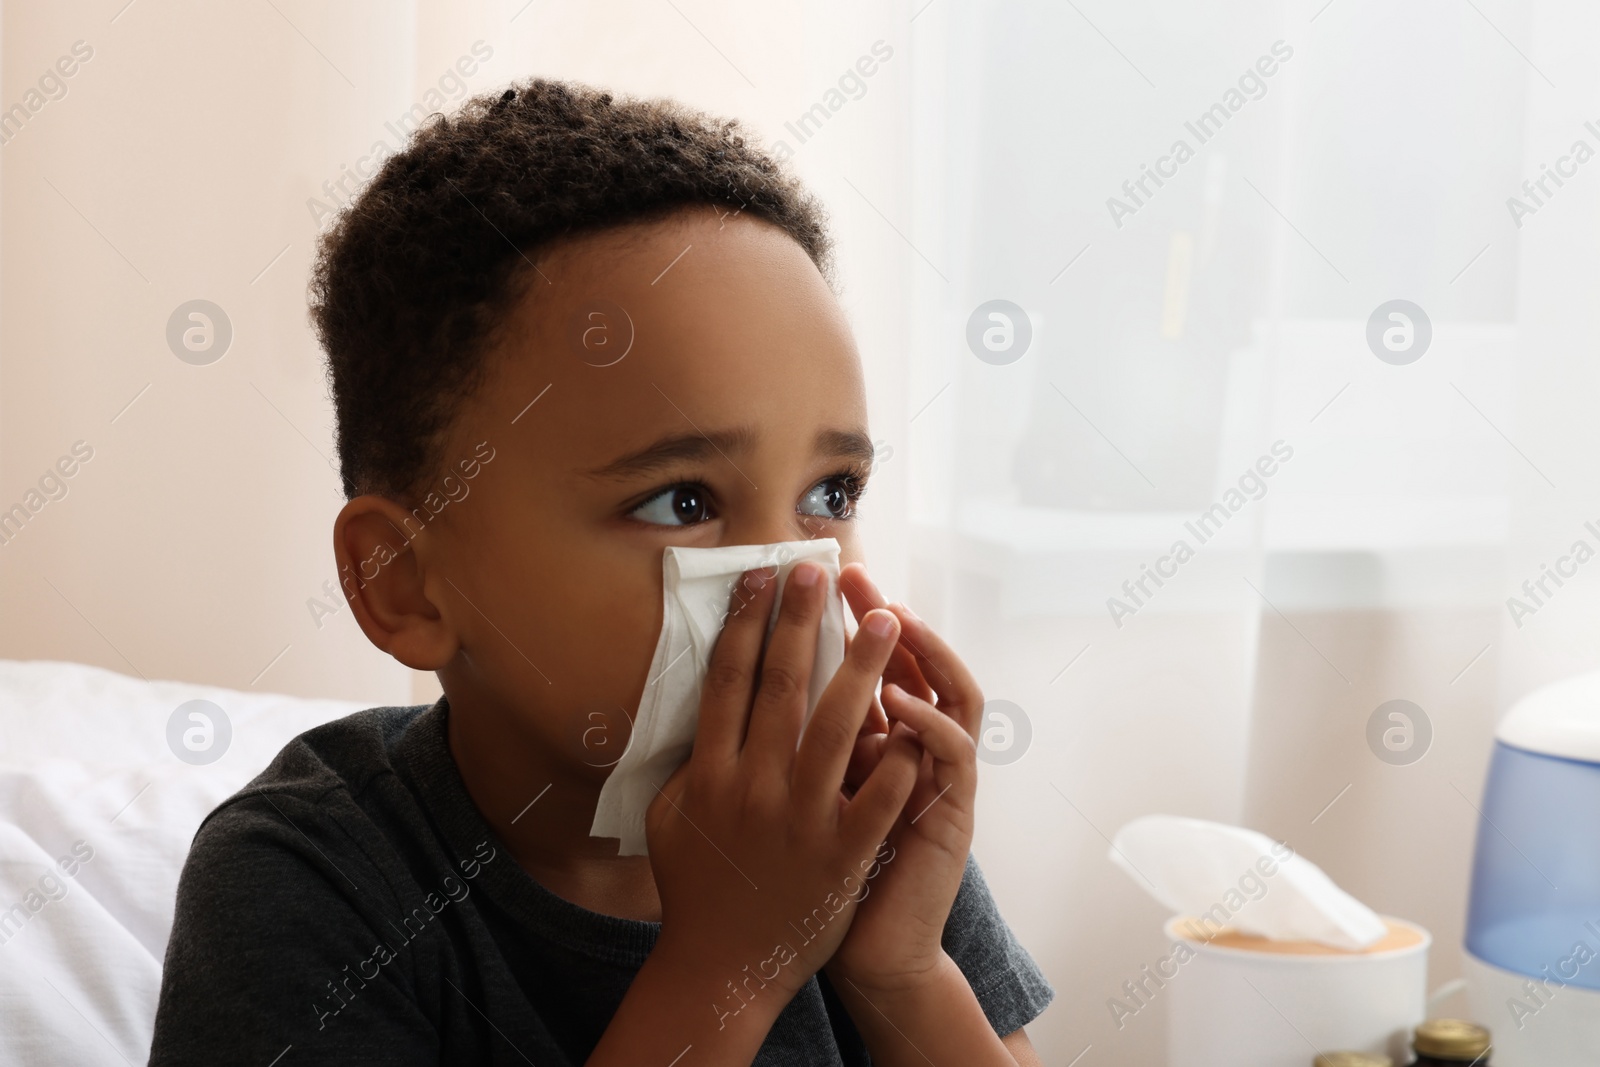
{"x":735,"y":416}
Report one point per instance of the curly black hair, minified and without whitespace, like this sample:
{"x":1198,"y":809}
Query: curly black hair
{"x":416,"y":273}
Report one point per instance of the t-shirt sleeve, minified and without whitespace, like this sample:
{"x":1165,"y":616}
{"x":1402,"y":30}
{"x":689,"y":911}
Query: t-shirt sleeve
{"x":273,"y":950}
{"x":1008,"y":984}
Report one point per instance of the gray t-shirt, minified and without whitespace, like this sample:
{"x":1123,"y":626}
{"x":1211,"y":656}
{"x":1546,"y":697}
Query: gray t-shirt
{"x":351,"y":906}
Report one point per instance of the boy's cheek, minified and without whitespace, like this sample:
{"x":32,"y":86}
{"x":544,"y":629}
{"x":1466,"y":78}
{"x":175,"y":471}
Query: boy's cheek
{"x":580,"y":601}
{"x":593,"y":665}
{"x":603,"y":735}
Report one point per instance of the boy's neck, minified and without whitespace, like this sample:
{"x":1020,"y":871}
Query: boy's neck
{"x":542,"y":808}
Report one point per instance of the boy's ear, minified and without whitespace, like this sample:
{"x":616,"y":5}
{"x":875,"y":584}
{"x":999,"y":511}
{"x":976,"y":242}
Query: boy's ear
{"x":382,"y":581}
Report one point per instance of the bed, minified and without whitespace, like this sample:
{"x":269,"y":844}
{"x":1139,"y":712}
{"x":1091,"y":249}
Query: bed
{"x":103,"y":781}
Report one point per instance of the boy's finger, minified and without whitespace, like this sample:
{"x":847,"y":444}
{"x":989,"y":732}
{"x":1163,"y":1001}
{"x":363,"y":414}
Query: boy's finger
{"x":831,"y":736}
{"x":782,"y":690}
{"x":877,"y":722}
{"x":904,"y":672}
{"x":872,"y":812}
{"x":730,"y":677}
{"x":864,"y":757}
{"x":860,"y":592}
{"x":668,"y":794}
{"x":955,"y":754}
{"x":958,"y":692}
{"x":863,"y":595}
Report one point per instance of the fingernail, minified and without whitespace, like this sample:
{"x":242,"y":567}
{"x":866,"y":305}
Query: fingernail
{"x":880,"y":623}
{"x":805,"y":576}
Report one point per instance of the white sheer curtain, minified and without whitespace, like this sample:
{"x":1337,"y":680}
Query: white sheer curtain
{"x":1339,"y":157}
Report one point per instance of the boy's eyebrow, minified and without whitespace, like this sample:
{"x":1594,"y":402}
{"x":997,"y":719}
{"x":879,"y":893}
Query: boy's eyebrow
{"x":675,"y":447}
{"x":844,"y":444}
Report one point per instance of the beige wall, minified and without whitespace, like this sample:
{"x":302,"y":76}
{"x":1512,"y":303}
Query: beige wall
{"x":179,"y":166}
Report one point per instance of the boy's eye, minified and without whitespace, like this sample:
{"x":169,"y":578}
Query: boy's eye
{"x":831,"y":498}
{"x":681,"y":505}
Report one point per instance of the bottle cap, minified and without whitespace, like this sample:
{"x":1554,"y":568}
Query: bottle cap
{"x":1353,"y":1059}
{"x":1452,"y":1038}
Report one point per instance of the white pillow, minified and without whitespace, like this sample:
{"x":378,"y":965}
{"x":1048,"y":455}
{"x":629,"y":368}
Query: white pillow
{"x":96,"y":816}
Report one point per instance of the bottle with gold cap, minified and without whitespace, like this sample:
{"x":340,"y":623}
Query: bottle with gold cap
{"x":1353,"y":1059}
{"x":1451,"y":1043}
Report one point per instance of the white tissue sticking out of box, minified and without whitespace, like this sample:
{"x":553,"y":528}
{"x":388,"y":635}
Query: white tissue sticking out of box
{"x":1229,"y":876}
{"x":697,"y":589}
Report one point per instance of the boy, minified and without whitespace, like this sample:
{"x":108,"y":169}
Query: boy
{"x":566,"y":332}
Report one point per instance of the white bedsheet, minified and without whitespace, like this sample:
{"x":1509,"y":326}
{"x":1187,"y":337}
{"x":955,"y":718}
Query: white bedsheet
{"x":84,"y":763}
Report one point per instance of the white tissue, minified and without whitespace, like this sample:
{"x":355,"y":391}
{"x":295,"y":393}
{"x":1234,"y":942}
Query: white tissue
{"x":1200,"y":868}
{"x":698,"y":586}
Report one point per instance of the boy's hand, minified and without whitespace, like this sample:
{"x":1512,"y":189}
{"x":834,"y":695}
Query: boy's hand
{"x":757,"y":856}
{"x":895,"y":941}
